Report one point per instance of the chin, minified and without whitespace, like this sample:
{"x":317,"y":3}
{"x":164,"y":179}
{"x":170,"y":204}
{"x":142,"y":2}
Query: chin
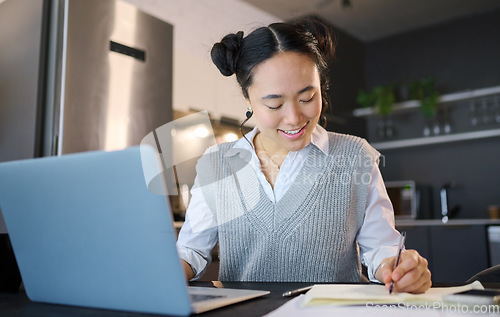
{"x":298,"y":145}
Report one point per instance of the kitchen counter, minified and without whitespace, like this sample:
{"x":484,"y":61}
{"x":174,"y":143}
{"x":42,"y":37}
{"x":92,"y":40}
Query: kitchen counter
{"x":452,"y":222}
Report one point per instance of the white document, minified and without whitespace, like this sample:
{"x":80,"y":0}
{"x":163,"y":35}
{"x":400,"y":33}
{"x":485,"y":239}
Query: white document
{"x":359,"y":294}
{"x":295,"y":308}
{"x":374,"y":300}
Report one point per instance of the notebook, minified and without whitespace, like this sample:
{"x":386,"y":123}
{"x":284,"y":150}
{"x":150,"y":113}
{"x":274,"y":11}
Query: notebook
{"x":363,"y":294}
{"x":87,"y":232}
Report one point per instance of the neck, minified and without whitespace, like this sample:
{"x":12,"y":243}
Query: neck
{"x":270,"y":147}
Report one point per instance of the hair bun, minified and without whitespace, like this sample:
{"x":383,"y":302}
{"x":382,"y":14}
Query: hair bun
{"x":225,"y":54}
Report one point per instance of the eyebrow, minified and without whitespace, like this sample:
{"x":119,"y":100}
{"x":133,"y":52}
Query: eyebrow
{"x":273,"y":96}
{"x":305,"y":89}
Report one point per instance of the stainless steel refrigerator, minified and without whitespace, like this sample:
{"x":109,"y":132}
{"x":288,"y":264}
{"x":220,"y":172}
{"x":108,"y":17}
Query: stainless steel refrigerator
{"x":79,"y":75}
{"x":99,"y":71}
{"x":114,"y":83}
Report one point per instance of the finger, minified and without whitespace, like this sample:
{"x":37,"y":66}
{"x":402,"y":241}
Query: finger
{"x":420,"y":285}
{"x":416,"y":280}
{"x":409,"y":260}
{"x":426,"y":285}
{"x":384,"y":270}
{"x":408,"y":288}
{"x":387,"y":271}
{"x":416,"y":272}
{"x":411,"y":281}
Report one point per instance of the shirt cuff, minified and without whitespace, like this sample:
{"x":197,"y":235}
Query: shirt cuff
{"x":372,"y":259}
{"x":197,"y":262}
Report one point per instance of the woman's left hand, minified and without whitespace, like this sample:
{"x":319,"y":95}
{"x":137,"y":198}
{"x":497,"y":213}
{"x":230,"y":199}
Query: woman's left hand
{"x":411,"y":275}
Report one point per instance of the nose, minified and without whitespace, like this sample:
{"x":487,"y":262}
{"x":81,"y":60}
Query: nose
{"x":293,"y":115}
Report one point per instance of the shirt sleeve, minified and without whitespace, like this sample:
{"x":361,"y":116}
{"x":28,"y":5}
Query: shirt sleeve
{"x":378,"y":239}
{"x":198,"y":234}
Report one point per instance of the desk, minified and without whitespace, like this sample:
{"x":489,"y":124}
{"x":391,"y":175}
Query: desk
{"x":17,"y":304}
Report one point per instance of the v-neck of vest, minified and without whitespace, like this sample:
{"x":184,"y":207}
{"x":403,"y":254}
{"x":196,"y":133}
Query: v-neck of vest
{"x":273,"y":221}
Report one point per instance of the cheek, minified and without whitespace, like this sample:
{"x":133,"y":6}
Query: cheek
{"x":266,"y":120}
{"x":313,"y":111}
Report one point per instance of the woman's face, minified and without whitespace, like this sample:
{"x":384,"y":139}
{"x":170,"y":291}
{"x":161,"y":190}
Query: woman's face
{"x":286,"y":100}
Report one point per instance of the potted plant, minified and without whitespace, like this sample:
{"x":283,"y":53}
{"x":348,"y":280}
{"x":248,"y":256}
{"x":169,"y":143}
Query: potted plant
{"x":380,"y":97}
{"x":366,"y":99}
{"x":425,"y":92}
{"x":384,"y":99}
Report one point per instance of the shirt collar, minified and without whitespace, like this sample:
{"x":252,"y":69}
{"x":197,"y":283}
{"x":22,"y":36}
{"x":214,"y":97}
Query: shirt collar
{"x":319,"y":138}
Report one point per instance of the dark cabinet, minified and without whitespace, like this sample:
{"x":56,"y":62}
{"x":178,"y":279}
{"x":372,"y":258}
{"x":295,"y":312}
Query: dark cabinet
{"x":455,"y":252}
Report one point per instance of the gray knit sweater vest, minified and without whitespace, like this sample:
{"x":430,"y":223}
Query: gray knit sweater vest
{"x":310,"y":234}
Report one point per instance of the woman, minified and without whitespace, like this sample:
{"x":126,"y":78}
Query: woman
{"x":291,"y":201}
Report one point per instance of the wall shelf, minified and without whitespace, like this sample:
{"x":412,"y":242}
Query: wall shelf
{"x":414,"y":104}
{"x":410,"y":122}
{"x":436,"y":139}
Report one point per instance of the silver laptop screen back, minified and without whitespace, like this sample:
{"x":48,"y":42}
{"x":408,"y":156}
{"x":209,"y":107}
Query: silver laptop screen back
{"x":86,"y":231}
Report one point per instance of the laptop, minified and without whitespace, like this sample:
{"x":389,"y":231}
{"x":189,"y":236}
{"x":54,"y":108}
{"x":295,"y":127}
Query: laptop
{"x":86,"y":231}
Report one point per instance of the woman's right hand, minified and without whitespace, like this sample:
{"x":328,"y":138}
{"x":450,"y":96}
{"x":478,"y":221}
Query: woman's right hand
{"x":411,"y":275}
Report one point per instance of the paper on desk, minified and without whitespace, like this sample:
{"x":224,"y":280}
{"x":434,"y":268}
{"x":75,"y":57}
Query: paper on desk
{"x":294,"y":308}
{"x":359,"y":294}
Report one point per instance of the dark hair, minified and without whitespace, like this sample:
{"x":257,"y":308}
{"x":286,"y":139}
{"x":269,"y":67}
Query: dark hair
{"x":236,"y":54}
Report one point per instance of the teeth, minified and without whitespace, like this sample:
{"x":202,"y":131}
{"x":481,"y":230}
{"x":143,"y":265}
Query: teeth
{"x":293,"y":131}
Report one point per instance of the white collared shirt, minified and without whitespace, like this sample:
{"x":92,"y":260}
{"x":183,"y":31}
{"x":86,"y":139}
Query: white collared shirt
{"x":377,"y":237}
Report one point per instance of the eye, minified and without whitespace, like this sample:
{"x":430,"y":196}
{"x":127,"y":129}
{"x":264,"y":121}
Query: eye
{"x":274,"y":108}
{"x":309,"y":100}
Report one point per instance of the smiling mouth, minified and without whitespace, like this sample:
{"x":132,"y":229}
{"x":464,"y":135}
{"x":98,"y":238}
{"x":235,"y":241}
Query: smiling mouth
{"x":292,"y":132}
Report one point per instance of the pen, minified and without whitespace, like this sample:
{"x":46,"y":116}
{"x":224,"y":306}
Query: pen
{"x":401,"y":246}
{"x":296,"y":291}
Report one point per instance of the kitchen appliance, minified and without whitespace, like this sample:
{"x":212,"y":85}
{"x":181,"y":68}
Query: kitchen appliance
{"x":403,"y":195}
{"x":115,"y":79}
{"x":80,"y":75}
{"x":411,"y":200}
{"x":446,"y":211}
{"x":98,"y":75}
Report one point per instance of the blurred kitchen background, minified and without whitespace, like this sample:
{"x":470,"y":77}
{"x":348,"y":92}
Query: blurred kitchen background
{"x":420,"y":79}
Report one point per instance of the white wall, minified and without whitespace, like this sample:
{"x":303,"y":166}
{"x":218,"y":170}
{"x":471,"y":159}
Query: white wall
{"x":198,"y":24}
